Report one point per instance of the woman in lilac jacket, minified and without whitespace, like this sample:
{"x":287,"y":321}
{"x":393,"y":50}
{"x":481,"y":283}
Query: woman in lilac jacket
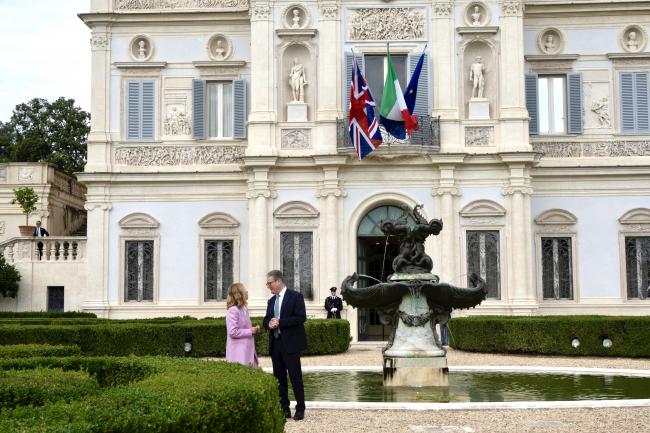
{"x":240,"y":344}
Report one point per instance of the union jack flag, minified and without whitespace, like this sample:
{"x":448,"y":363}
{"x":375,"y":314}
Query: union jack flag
{"x":362,"y":123}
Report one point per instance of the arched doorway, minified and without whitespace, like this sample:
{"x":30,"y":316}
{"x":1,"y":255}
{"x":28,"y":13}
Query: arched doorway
{"x":375,"y":254}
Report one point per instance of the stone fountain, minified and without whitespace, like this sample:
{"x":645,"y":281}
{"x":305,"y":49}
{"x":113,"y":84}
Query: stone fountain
{"x":413,"y":301}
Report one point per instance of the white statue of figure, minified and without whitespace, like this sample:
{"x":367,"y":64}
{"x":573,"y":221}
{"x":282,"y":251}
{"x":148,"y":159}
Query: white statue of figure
{"x":296,"y":19}
{"x":142,"y":50}
{"x":549,"y":44}
{"x":476,"y":77}
{"x":476,"y":16}
{"x":297,"y":81}
{"x":632,"y":41}
{"x":219,"y":50}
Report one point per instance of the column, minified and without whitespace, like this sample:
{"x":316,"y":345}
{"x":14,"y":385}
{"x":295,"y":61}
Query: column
{"x":446,"y":260}
{"x":329,"y":77}
{"x":99,"y":136}
{"x":262,"y":114}
{"x":96,"y":299}
{"x":514,"y":116}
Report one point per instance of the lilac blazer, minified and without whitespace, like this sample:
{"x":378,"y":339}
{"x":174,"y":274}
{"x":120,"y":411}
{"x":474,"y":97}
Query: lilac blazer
{"x":240,"y":344}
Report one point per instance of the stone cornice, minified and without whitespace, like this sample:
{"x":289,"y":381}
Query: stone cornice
{"x":550,"y":57}
{"x":490,"y":30}
{"x":296,"y":33}
{"x":140,"y":65}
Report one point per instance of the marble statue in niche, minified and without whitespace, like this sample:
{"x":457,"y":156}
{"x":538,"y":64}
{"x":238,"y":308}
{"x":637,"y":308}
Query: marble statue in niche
{"x":219,"y":50}
{"x":142,"y":49}
{"x":476,"y":73}
{"x":295,"y":19}
{"x":297,"y":81}
{"x":476,"y":16}
{"x":549,"y":44}
{"x":632,"y":42}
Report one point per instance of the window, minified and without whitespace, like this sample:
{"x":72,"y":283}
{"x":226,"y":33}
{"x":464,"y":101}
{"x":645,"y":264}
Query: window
{"x":557,"y":268}
{"x":483,"y":259}
{"x":554,"y":104}
{"x":219,"y":268}
{"x":140,"y":109}
{"x":637,"y":266}
{"x":139,"y":271}
{"x":634,"y":102}
{"x":296,"y":250}
{"x":219,"y":109}
{"x":552,"y":101}
{"x":376,"y":68}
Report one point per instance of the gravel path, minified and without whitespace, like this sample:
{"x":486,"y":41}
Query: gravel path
{"x":607,"y":420}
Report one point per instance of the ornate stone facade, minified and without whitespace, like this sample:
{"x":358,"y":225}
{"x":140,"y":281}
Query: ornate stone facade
{"x":329,"y":11}
{"x":442,"y":9}
{"x":386,"y":24}
{"x":512,"y":7}
{"x":260,"y":11}
{"x":296,"y":138}
{"x":479,"y":135}
{"x":593,"y":149}
{"x":151,"y":156}
{"x":127,"y":5}
{"x":98,"y":42}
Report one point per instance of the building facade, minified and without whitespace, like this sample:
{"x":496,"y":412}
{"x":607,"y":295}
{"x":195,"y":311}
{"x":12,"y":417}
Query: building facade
{"x":218,"y":151}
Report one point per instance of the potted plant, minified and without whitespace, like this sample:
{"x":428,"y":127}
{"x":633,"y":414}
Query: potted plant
{"x":26,"y":198}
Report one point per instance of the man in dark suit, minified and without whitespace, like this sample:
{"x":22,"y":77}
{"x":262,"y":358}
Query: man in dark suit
{"x":333,"y":305}
{"x":40,"y":232}
{"x":285,"y":318}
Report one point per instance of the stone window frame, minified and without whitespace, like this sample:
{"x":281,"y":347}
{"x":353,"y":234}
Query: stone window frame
{"x":633,"y":223}
{"x":486,"y":215}
{"x":139,"y":226}
{"x":218,"y":226}
{"x":556,"y":223}
{"x":299,"y":217}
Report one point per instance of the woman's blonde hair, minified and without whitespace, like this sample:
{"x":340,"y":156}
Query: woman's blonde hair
{"x":236,"y":295}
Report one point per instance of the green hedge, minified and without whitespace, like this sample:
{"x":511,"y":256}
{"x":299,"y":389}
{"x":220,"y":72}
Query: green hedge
{"x":176,"y":395}
{"x":552,"y":335}
{"x":41,"y":385}
{"x":32,"y":350}
{"x":208,"y":337}
{"x":27,"y":314}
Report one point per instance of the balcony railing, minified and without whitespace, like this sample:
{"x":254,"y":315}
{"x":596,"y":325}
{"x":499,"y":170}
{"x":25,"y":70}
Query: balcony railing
{"x":427,"y":137}
{"x":50,"y":249}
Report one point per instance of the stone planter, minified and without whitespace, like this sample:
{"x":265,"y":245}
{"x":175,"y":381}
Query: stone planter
{"x":26,"y":230}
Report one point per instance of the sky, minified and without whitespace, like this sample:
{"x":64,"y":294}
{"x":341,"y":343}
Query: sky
{"x":44,"y":52}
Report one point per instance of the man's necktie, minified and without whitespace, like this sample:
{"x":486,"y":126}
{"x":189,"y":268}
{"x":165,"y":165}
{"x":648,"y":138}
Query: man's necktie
{"x":276,"y":314}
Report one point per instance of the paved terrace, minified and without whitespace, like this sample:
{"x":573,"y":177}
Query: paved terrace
{"x":583,"y":420}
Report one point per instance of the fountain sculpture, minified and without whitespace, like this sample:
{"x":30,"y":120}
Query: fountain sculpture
{"x":413,"y":301}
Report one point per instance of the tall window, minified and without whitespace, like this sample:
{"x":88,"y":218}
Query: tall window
{"x":552,"y":104}
{"x":139,"y":271}
{"x":218,"y":269}
{"x":637,"y":266}
{"x":140,"y":109}
{"x":483,"y":259}
{"x":376,"y":68}
{"x":219,"y":109}
{"x":557,"y":269}
{"x":296,"y":249}
{"x":634,"y":102}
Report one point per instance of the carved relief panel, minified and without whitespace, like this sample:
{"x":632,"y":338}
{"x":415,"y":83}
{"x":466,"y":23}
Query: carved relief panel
{"x":176,"y":108}
{"x":597,"y":105}
{"x":386,"y":24}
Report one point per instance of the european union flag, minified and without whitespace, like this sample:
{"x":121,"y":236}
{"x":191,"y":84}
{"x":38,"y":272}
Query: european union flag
{"x":412,"y":90}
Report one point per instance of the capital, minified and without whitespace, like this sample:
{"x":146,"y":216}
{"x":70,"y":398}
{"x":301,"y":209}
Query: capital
{"x":517,"y":189}
{"x":512,"y":8}
{"x":442,"y":9}
{"x":446,"y":190}
{"x":98,"y":206}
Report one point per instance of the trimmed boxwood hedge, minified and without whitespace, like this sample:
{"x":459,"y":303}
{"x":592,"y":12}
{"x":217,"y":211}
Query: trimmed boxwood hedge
{"x":31,"y":350}
{"x":145,"y":337}
{"x":27,"y":314}
{"x":172,"y":396}
{"x":552,"y":335}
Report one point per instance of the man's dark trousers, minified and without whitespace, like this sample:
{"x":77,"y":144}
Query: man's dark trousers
{"x":283,"y":362}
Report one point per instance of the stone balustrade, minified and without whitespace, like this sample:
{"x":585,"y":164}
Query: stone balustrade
{"x":49,"y":249}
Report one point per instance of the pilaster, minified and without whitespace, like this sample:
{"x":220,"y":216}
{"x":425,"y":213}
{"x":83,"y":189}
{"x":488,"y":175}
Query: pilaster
{"x":447,"y":193}
{"x":96,"y":299}
{"x":99,"y":141}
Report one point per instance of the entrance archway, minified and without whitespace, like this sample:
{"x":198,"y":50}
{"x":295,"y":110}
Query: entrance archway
{"x":375,"y":254}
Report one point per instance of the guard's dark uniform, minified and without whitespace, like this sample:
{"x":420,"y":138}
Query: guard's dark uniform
{"x":333,"y":302}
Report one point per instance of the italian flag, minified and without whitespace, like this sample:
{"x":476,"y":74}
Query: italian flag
{"x":395,"y":115}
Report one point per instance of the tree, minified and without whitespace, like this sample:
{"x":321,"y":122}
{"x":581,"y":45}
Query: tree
{"x":5,"y":141}
{"x":45,"y":131}
{"x":9,"y":277}
{"x":27,"y":199}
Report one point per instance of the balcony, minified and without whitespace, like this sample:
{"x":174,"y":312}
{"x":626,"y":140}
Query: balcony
{"x":51,"y":249}
{"x":425,"y":140}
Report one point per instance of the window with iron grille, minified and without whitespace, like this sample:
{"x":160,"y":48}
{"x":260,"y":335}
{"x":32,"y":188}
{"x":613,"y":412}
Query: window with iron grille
{"x":483,"y":259}
{"x":218,"y":269}
{"x":557,"y":268}
{"x":637,"y":266}
{"x":296,"y":250}
{"x":139,"y":271}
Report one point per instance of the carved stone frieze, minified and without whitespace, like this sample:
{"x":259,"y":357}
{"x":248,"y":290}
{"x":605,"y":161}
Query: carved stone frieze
{"x":482,"y":221}
{"x":516,"y":189}
{"x":98,"y":42}
{"x":329,"y":12}
{"x":593,"y":149}
{"x":512,"y":7}
{"x":556,"y":228}
{"x":299,"y":222}
{"x":637,"y":228}
{"x":479,"y":135}
{"x":386,"y":24}
{"x":129,"y":5}
{"x":152,"y":156}
{"x":296,"y":138}
{"x":260,"y":11}
{"x":25,"y":174}
{"x":442,"y":9}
